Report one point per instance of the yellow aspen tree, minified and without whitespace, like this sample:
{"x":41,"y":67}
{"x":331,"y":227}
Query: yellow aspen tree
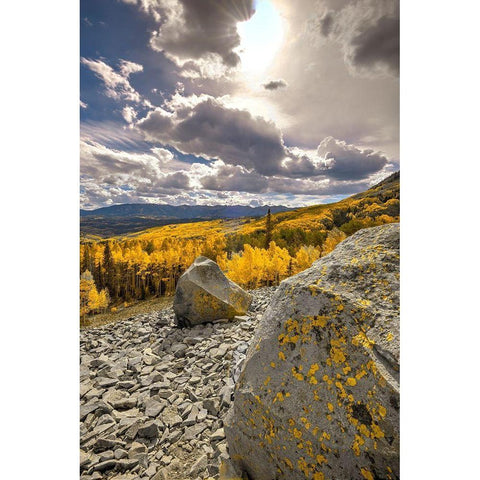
{"x":93,"y":299}
{"x":86,"y":285}
{"x":222,"y":261}
{"x":334,"y":237}
{"x":276,"y":265}
{"x":304,"y":257}
{"x":103,"y":300}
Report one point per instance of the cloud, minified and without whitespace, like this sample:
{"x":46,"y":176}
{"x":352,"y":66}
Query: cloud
{"x":129,"y":114}
{"x":205,"y":127}
{"x":234,"y":178}
{"x":110,"y":175}
{"x":229,"y":178}
{"x":113,"y":135}
{"x":316,"y":187}
{"x":146,"y":174}
{"x":348,"y":162}
{"x":117,"y":84}
{"x":200,"y":36}
{"x":369,"y":34}
{"x":275,"y":84}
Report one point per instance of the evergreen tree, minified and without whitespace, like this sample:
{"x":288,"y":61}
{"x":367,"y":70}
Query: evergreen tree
{"x":86,"y":263}
{"x":108,"y":266}
{"x":268,"y":230}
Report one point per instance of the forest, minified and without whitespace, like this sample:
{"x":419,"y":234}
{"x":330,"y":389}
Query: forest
{"x":251,"y":252}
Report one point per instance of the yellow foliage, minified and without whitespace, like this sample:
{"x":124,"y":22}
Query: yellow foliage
{"x":304,"y":257}
{"x":333,"y":239}
{"x":91,"y":299}
{"x":256,"y":266}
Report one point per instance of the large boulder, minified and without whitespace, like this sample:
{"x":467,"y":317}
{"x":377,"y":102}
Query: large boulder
{"x":205,"y":294}
{"x":318,"y":396}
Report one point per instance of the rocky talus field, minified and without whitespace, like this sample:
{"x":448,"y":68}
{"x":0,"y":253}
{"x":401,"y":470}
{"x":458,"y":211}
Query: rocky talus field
{"x":153,"y":396}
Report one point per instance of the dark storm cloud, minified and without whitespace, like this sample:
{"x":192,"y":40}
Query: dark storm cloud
{"x":369,"y":34}
{"x":378,"y":45}
{"x":174,"y":180}
{"x":300,"y":165}
{"x":347,"y":162}
{"x":193,"y":29}
{"x":209,"y":129}
{"x":234,"y":178}
{"x":275,"y":84}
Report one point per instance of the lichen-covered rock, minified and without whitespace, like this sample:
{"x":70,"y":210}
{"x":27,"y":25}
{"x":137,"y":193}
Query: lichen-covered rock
{"x":205,"y":294}
{"x":318,"y":396}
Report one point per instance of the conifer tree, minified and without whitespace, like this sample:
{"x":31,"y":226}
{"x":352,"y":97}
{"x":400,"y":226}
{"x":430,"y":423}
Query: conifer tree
{"x":108,"y":266}
{"x":268,"y":230}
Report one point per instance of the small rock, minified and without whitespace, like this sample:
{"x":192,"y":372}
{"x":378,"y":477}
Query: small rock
{"x":218,"y":435}
{"x":107,"y":465}
{"x":120,"y":453}
{"x":153,"y":408}
{"x":148,"y":430}
{"x":199,"y":465}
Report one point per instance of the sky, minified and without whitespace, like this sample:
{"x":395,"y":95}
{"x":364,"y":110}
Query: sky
{"x":236,"y":101}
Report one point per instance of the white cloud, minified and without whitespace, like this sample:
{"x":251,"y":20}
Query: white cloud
{"x":129,"y":114}
{"x":117,"y":84}
{"x":108,"y":173}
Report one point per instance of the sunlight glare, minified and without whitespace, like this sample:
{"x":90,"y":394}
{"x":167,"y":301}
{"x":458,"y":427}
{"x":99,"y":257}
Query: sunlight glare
{"x":261,"y":37}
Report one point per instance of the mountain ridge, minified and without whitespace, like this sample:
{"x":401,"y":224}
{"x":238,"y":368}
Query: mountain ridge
{"x":186,"y":211}
{"x":133,"y":217}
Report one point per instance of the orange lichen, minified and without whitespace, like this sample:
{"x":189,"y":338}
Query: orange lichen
{"x":321,"y":459}
{"x":366,"y":474}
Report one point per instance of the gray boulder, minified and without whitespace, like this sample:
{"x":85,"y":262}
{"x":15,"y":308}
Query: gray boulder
{"x":205,"y":294}
{"x":318,"y":396}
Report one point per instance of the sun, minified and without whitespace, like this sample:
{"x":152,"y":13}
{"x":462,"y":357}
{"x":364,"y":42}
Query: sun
{"x":261,"y":37}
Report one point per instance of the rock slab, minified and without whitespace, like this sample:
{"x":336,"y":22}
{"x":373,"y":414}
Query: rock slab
{"x":205,"y":294}
{"x":318,"y":396}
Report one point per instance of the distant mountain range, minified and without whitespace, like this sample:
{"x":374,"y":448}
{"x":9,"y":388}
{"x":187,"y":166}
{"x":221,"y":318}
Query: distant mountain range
{"x":131,"y":217}
{"x":181,"y":211}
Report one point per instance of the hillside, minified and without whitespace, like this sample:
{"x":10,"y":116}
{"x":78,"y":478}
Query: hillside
{"x":351,"y":214}
{"x":122,"y":219}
